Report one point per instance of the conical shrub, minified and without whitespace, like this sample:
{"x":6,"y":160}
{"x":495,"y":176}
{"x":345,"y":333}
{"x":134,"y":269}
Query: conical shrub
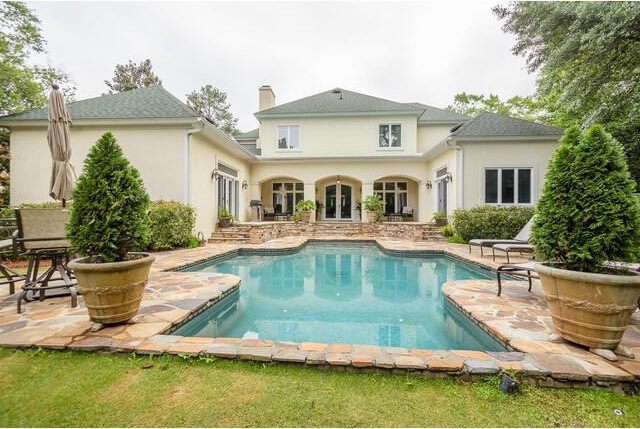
{"x":108,"y":216}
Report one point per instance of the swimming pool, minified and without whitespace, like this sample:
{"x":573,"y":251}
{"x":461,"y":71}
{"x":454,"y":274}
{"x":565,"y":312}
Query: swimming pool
{"x":341,"y":292}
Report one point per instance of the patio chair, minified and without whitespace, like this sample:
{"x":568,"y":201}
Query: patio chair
{"x":522,"y":238}
{"x":11,"y":277}
{"x":407,"y":214}
{"x":511,"y":247}
{"x":40,"y":236}
{"x":269,"y":214}
{"x":520,"y":271}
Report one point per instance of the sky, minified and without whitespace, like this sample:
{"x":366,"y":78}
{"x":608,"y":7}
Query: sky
{"x":405,"y":51}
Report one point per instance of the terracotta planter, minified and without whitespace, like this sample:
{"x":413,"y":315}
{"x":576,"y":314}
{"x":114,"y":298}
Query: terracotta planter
{"x":224,"y":222}
{"x":112,"y":291}
{"x":441,"y":221}
{"x":589,"y":309}
{"x":305,"y":215}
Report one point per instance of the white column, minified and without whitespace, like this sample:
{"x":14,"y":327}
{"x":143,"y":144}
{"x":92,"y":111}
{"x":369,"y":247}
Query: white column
{"x":310,"y":194}
{"x":367,"y":189}
{"x":424,"y":194}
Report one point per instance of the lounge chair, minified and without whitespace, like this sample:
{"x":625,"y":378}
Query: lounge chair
{"x":407,"y":214}
{"x":521,"y":238}
{"x":521,"y":271}
{"x":511,"y":247}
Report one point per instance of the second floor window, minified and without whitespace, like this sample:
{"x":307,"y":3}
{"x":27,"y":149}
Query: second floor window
{"x":389,"y":136}
{"x":288,"y":137}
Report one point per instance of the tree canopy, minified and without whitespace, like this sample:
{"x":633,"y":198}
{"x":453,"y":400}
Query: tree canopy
{"x":519,"y":107}
{"x":211,"y":103}
{"x":24,"y":86}
{"x":587,"y":55}
{"x":132,"y":76}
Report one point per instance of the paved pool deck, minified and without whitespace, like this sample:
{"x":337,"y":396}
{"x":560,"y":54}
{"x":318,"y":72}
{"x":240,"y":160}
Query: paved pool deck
{"x":517,"y":318}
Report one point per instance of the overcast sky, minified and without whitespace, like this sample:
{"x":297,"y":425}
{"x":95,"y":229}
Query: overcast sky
{"x":425,"y":51}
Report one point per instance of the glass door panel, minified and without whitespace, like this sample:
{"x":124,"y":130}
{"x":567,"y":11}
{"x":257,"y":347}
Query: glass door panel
{"x":330,"y":202}
{"x":345,"y":202}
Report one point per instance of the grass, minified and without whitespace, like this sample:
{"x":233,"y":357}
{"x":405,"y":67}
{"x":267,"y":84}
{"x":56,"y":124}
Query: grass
{"x":58,"y":389}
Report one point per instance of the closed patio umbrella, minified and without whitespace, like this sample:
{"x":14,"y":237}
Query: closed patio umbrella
{"x":63,"y":175}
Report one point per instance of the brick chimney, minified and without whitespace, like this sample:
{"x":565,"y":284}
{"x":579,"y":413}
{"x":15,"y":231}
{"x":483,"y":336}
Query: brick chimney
{"x":267,"y":99}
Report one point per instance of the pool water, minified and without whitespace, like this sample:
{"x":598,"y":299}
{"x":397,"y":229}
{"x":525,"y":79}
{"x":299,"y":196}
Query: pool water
{"x":343,"y":293}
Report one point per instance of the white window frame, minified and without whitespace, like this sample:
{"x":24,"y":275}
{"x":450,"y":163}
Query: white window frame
{"x":288,"y":137}
{"x":516,"y":194}
{"x":389,"y":124}
{"x":398,"y":194}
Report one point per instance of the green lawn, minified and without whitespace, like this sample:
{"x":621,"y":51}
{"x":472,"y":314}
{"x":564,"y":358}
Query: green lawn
{"x":52,"y":389}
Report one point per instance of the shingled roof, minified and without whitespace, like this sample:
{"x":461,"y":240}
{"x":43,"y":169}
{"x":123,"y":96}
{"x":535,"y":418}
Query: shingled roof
{"x":339,"y":101}
{"x":494,"y":125}
{"x":148,"y":102}
{"x":435,"y":115}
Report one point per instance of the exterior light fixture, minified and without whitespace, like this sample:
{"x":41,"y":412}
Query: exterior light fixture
{"x":245,"y":185}
{"x":428,"y":184}
{"x":338,"y":181}
{"x":215,"y":174}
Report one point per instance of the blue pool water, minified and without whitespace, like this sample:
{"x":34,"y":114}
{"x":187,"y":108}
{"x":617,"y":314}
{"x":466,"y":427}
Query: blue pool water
{"x":343,"y":293}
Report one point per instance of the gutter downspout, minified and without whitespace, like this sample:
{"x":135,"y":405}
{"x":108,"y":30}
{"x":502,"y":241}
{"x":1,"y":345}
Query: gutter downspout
{"x":187,"y":159}
{"x":460,"y":169}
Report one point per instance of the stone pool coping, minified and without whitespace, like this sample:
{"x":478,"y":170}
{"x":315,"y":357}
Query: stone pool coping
{"x":517,"y":318}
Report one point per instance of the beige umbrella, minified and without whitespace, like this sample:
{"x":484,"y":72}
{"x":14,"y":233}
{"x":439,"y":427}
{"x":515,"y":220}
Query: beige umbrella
{"x":63,"y":175}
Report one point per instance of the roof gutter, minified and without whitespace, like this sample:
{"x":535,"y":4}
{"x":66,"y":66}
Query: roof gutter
{"x":187,"y":158}
{"x":449,"y":142}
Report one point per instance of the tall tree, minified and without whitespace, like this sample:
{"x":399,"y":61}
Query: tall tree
{"x":212,"y":103}
{"x":131,"y":76}
{"x":23,"y":86}
{"x":587,"y":55}
{"x":519,"y":107}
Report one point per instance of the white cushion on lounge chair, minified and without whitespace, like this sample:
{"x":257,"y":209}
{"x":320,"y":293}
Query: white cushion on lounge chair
{"x":511,"y":247}
{"x":521,"y":238}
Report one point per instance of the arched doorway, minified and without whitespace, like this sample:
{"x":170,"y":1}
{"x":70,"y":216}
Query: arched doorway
{"x":338,"y":201}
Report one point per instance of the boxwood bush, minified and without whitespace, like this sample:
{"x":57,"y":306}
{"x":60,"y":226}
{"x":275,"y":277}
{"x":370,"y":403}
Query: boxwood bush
{"x":490,"y":221}
{"x":171,"y":224}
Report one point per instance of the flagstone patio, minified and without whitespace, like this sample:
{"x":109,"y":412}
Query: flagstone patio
{"x":517,"y":318}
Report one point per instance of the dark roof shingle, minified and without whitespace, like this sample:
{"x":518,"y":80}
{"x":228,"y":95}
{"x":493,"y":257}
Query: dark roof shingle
{"x":148,"y":102}
{"x":492,"y":124}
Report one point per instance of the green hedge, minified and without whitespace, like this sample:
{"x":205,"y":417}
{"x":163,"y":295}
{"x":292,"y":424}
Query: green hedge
{"x":171,"y":225}
{"x":490,"y":221}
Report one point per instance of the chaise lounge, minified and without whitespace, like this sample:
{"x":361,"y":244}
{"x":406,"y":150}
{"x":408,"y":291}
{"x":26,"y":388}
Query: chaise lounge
{"x":521,"y":239}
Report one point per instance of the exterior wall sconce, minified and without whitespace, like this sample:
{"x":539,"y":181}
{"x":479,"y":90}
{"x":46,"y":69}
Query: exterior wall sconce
{"x":215,"y":174}
{"x":338,"y":181}
{"x":448,"y":177}
{"x":245,"y":185}
{"x":429,"y":185}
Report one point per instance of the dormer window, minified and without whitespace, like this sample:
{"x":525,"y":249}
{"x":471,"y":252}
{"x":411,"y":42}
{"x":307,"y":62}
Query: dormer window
{"x":288,"y":137}
{"x":389,"y":136}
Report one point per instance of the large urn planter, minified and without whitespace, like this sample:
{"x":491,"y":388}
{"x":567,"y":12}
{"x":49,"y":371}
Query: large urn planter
{"x":112,"y":291}
{"x":372,"y":216}
{"x":588,"y":308}
{"x":305,"y":215}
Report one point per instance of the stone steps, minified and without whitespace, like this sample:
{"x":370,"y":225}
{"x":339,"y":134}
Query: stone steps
{"x":259,"y":232}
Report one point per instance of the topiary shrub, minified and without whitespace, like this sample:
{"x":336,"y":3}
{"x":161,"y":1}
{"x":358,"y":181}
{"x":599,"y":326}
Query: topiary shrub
{"x":108,"y":217}
{"x":588,"y":212}
{"x":490,"y":221}
{"x":171,"y":225}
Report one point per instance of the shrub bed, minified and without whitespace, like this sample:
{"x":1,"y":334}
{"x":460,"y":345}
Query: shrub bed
{"x":490,"y":221}
{"x":171,"y":224}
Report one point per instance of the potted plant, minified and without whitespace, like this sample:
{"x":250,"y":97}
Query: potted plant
{"x":224,"y":217}
{"x":588,"y":215}
{"x":374,"y":207}
{"x":305,"y":208}
{"x":440,"y":218}
{"x":108,"y":219}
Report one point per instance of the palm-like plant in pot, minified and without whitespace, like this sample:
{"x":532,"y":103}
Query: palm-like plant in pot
{"x":107,"y":221}
{"x":588,"y":215}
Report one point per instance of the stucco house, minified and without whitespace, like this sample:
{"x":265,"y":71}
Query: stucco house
{"x":336,"y":148}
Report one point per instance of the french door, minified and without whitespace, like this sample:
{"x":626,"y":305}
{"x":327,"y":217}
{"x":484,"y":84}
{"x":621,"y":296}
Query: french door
{"x":338,"y":202}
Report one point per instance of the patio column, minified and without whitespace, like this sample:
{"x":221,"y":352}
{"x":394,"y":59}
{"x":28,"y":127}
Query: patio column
{"x":310,"y":194}
{"x":367,"y":189}
{"x":423,"y":202}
